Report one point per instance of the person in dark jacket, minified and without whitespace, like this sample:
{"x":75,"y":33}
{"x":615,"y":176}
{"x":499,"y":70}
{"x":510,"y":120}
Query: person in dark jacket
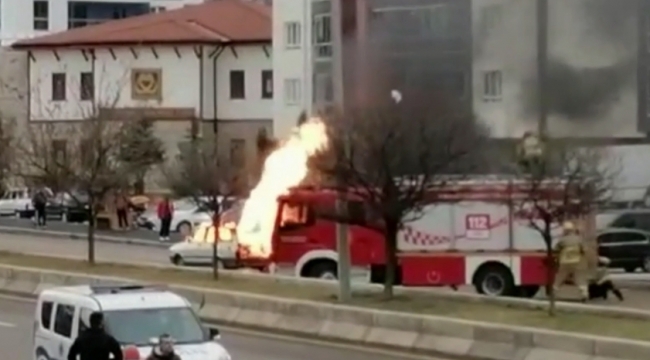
{"x":164,"y":350}
{"x":95,"y":343}
{"x":39,"y":202}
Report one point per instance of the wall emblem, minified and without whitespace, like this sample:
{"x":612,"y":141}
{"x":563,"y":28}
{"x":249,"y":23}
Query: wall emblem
{"x":146,"y":84}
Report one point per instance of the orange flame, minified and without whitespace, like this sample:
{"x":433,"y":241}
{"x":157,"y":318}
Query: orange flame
{"x":283,"y":169}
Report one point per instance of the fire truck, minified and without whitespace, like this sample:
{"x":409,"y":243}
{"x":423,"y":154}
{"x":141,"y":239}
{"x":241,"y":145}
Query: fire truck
{"x":474,"y":233}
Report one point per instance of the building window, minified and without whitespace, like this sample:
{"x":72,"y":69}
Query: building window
{"x":491,"y":17}
{"x":41,"y":15}
{"x":292,"y":91}
{"x":492,"y":86}
{"x":267,"y":84}
{"x":237,"y":153}
{"x":158,"y":9}
{"x":322,"y":36}
{"x":323,"y":89}
{"x":237,"y":84}
{"x":59,"y":151}
{"x":292,"y":34}
{"x":58,"y":86}
{"x":87,"y":89}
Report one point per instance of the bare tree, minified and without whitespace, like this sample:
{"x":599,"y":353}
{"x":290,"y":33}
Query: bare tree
{"x":395,"y":157}
{"x":80,"y":159}
{"x":562,"y":183}
{"x":199,"y":173}
{"x":7,"y":142}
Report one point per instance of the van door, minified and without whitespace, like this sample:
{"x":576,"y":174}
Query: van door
{"x":44,"y":344}
{"x":63,"y":330}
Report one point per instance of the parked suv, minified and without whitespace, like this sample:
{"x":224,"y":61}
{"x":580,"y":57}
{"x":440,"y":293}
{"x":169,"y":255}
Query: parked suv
{"x":626,"y":248}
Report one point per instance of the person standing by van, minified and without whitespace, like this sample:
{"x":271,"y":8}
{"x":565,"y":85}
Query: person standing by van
{"x":165,"y":214}
{"x":122,"y":209}
{"x":95,"y":343}
{"x":39,"y":201}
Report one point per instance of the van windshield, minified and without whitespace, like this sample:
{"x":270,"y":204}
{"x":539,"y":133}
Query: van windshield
{"x":137,"y":327}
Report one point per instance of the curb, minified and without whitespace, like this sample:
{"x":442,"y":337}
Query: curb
{"x":77,"y":236}
{"x":413,"y":333}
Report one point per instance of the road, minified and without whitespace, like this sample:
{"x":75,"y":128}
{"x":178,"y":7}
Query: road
{"x":78,"y":228}
{"x":116,"y":252}
{"x":16,"y":329}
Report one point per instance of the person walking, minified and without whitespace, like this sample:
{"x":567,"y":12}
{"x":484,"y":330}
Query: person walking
{"x":39,"y":202}
{"x":164,"y":350}
{"x":570,"y":252}
{"x":165,"y":214}
{"x":95,"y":343}
{"x":122,"y":209}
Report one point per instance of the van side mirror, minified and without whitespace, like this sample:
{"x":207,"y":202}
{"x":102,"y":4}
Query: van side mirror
{"x":214,"y":333}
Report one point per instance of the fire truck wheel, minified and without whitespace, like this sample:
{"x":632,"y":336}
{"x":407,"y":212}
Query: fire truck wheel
{"x":494,"y":280}
{"x":321,"y":269}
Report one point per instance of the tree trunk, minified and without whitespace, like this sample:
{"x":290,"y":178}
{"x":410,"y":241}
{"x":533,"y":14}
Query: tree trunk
{"x":550,"y":274}
{"x":92,"y":221}
{"x":215,"y":247}
{"x":391,"y":258}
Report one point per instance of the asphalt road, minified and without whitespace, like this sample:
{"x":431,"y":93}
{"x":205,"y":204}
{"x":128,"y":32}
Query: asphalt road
{"x":79,"y":228}
{"x":17,"y":316}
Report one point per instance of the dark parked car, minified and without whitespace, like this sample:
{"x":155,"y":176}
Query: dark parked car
{"x":629,"y":219}
{"x":68,"y":208}
{"x":626,"y":248}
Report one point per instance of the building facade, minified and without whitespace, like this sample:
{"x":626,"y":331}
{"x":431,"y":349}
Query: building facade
{"x":596,"y":72}
{"x":190,"y":84}
{"x":31,"y":18}
{"x":483,"y":52}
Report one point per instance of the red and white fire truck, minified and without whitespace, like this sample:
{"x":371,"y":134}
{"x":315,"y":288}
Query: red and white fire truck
{"x":474,"y":234}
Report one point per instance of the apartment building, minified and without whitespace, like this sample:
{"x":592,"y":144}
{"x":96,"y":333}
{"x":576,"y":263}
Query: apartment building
{"x":482,"y":52}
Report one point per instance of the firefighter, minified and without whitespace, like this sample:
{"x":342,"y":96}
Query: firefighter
{"x":570,"y":252}
{"x":601,"y":283}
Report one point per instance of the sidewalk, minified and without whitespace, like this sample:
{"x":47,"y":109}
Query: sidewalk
{"x":15,"y":230}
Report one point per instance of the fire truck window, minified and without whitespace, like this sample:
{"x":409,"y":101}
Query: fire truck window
{"x":293,"y":215}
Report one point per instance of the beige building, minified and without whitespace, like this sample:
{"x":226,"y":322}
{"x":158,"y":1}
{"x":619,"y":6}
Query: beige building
{"x":207,"y":64}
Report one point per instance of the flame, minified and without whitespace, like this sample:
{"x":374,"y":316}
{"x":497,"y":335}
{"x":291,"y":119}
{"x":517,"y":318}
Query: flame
{"x":283,"y":169}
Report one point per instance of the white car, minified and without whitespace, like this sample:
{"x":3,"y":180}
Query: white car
{"x":17,"y":202}
{"x":135,"y":315}
{"x":187,"y":215}
{"x":198,"y":249}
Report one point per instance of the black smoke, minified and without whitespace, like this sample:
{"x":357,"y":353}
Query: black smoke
{"x":579,"y":92}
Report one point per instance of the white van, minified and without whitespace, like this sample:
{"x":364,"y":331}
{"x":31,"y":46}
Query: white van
{"x":17,"y":202}
{"x":135,"y":315}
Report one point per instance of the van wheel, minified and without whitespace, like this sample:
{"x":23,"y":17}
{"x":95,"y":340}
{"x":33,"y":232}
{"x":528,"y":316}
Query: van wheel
{"x":324,"y":269}
{"x":178,"y":260}
{"x":184,"y":228}
{"x":41,"y":355}
{"x":494,"y":280}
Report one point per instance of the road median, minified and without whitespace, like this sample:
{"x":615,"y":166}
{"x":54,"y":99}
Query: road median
{"x":403,"y":324}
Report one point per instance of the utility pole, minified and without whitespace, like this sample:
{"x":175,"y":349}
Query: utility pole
{"x":542,"y":66}
{"x":342,"y":241}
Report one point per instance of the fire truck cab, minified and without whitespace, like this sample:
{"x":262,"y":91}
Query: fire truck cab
{"x":474,"y":234}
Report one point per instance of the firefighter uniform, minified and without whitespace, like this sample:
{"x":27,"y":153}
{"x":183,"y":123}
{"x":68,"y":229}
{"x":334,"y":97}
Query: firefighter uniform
{"x":570,"y":251}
